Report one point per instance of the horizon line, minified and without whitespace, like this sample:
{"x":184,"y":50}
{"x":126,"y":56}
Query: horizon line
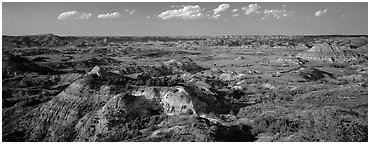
{"x":191,"y":35}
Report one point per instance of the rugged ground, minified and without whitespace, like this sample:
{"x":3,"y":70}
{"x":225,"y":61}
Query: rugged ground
{"x":233,"y":88}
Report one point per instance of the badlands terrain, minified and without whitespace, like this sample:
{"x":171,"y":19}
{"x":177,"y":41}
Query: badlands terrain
{"x":204,"y":89}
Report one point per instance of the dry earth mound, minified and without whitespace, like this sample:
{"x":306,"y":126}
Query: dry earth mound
{"x":326,"y":53}
{"x":314,"y":74}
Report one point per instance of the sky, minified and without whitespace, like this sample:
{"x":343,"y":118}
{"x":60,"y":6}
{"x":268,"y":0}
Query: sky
{"x":184,"y":19}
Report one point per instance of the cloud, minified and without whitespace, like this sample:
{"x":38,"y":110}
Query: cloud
{"x":66,"y":15}
{"x":221,"y":8}
{"x":177,"y":6}
{"x":284,"y":5}
{"x":276,"y":14}
{"x":130,"y":11}
{"x":252,"y":8}
{"x":109,"y":15}
{"x":215,"y":17}
{"x":235,"y":15}
{"x":84,"y":16}
{"x":73,"y":15}
{"x":321,"y":12}
{"x":186,"y":12}
{"x":235,"y":10}
{"x":217,"y":11}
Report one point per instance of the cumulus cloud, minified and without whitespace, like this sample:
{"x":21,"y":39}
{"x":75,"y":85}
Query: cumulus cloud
{"x":215,"y":17}
{"x":252,"y":8}
{"x":130,"y":11}
{"x":221,"y":8}
{"x":217,"y":11}
{"x":235,"y":15}
{"x":109,"y":15}
{"x":321,"y":12}
{"x":73,"y":15}
{"x":177,"y":6}
{"x":277,"y":14}
{"x":186,"y":12}
{"x":235,"y":10}
{"x":84,"y":16}
{"x":66,"y":15}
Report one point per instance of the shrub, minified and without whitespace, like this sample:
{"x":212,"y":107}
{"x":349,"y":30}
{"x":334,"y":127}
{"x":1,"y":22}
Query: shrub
{"x":320,"y":125}
{"x":333,"y":128}
{"x":274,"y":124}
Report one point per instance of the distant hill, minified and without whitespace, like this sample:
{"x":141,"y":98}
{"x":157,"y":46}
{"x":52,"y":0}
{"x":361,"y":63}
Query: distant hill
{"x":16,"y":65}
{"x":51,"y":40}
{"x":43,"y":40}
{"x":327,"y":53}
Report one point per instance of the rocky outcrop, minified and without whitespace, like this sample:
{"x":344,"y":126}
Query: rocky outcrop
{"x":186,"y":99}
{"x":308,"y":74}
{"x":355,"y":43}
{"x":174,"y":100}
{"x":301,"y":46}
{"x":326,"y":53}
{"x":290,"y":60}
{"x":314,"y":74}
{"x":183,"y":65}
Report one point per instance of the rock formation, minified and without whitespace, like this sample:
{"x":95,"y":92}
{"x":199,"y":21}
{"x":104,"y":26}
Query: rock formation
{"x":326,"y":53}
{"x":314,"y":74}
{"x":90,"y":108}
